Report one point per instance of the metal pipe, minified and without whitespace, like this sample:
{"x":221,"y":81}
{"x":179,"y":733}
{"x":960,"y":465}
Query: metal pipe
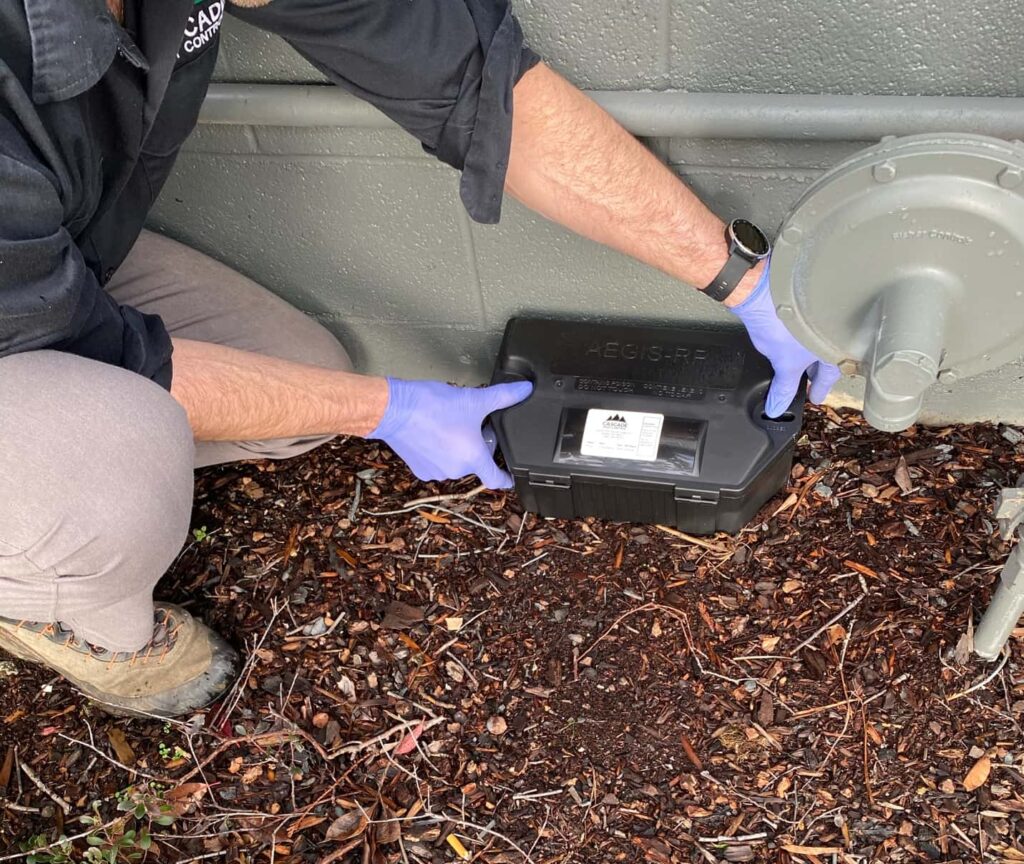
{"x":907,"y":352}
{"x":663,"y":114}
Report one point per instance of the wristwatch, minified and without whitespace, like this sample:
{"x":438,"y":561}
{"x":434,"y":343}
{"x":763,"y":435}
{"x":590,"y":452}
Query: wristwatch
{"x":747,"y":247}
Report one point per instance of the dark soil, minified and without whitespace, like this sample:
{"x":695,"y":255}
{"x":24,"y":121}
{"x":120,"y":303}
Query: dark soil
{"x":577,"y":691}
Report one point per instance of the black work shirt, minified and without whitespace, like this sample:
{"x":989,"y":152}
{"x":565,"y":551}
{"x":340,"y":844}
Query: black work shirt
{"x":92,"y":115}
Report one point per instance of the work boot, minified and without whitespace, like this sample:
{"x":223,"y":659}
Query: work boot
{"x":184,"y":666}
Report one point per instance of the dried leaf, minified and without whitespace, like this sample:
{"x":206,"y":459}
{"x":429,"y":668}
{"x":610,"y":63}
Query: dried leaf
{"x":121,"y":746}
{"x":766,"y":710}
{"x":978,"y":774}
{"x":791,"y":499}
{"x":401,"y":616}
{"x":5,"y":771}
{"x":433,"y":517}
{"x":347,"y":687}
{"x":902,"y":477}
{"x":408,"y":743}
{"x":691,"y":754}
{"x":193,"y":791}
{"x":389,"y":830}
{"x":349,"y":825}
{"x":304,"y":823}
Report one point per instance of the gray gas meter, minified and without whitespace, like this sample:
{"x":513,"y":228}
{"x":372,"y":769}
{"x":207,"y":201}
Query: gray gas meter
{"x":905,"y":264}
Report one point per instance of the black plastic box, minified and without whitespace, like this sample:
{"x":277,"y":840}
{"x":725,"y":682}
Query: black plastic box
{"x":642,"y":424}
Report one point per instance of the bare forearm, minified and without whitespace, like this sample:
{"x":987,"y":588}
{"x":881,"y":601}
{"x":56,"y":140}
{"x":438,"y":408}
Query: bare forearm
{"x":571,"y":162}
{"x":233,"y":395}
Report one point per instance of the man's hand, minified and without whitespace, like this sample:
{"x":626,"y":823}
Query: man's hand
{"x":788,"y":357}
{"x":436,"y":428}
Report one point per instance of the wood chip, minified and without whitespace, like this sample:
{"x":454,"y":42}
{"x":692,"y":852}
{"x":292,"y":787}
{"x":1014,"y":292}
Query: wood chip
{"x":121,"y":746}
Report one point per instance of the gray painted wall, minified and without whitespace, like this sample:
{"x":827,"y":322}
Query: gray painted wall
{"x":359,"y":228}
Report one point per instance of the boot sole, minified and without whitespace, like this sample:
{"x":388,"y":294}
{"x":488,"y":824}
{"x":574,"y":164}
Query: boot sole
{"x":22,"y":652}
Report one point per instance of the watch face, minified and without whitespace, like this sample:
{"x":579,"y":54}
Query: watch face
{"x":750,"y":237}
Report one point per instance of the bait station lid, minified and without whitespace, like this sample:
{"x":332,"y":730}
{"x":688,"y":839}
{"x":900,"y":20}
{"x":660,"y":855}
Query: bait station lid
{"x":642,"y":424}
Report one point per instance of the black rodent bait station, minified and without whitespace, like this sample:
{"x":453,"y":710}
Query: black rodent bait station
{"x":642,"y":424}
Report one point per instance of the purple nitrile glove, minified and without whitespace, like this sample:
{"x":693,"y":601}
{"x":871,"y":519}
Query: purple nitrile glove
{"x":788,"y":357}
{"x":437,"y":428}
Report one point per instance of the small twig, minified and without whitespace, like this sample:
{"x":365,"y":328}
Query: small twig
{"x":112,"y":761}
{"x":867,"y":773}
{"x":17,"y":808}
{"x":846,"y":694}
{"x":746,"y":838}
{"x":717,"y":548}
{"x":358,"y":746}
{"x":58,"y":843}
{"x":42,"y":787}
{"x":436,"y":499}
{"x":353,"y":510}
{"x":279,"y":736}
{"x":808,"y":485}
{"x":234,"y":695}
{"x":984,"y":681}
{"x":846,"y":609}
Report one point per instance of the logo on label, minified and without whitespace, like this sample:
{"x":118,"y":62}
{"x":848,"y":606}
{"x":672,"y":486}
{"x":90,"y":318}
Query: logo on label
{"x":650,"y":353}
{"x":201,"y":28}
{"x":615,"y":421}
{"x":932,"y":234}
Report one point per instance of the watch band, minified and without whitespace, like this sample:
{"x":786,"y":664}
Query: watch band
{"x":729,"y":277}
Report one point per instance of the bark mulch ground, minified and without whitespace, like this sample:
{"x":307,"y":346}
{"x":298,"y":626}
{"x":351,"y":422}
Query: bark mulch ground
{"x":449,"y":679}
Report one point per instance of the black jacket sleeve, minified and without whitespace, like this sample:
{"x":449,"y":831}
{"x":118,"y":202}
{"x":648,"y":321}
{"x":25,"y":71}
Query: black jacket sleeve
{"x":442,"y":69}
{"x":49,"y":298}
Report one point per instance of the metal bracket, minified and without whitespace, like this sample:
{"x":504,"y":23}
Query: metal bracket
{"x":1007,"y":604}
{"x":1010,"y":509}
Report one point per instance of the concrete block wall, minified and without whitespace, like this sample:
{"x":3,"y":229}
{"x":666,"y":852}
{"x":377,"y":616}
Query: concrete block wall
{"x":362,"y":230}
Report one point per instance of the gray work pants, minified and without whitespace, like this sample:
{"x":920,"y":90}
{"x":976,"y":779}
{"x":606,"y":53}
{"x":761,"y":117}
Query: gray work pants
{"x":96,"y":462}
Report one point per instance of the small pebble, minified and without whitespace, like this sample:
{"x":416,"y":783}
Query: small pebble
{"x":1014,"y":436}
{"x":315,"y":628}
{"x":497,"y":725}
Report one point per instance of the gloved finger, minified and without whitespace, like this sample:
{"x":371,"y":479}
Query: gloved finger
{"x":499,"y":396}
{"x":491,"y":475}
{"x":490,"y":438}
{"x":823,"y":378}
{"x":782,"y":392}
